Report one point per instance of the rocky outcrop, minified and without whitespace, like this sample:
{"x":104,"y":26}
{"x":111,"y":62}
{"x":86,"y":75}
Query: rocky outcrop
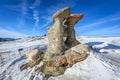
{"x":71,"y":56}
{"x":57,"y":65}
{"x":63,"y":49}
{"x":70,"y":22}
{"x":34,"y":55}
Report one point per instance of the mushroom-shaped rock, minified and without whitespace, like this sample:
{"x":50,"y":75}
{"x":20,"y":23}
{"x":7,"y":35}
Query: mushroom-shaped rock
{"x":34,"y":55}
{"x":63,"y":13}
{"x":70,"y":22}
{"x":55,"y":34}
{"x":73,"y":19}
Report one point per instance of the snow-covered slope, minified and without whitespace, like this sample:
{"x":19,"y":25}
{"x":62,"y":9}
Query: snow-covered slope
{"x":103,"y":62}
{"x":90,"y":69}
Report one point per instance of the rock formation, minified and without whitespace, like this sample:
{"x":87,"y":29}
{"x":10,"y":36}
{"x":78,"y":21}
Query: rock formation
{"x":56,"y":44}
{"x":34,"y":55}
{"x":63,"y":48}
{"x":70,"y":22}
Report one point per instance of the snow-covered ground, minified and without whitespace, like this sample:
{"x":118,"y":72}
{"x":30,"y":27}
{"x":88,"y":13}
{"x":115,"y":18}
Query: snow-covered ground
{"x":103,"y":62}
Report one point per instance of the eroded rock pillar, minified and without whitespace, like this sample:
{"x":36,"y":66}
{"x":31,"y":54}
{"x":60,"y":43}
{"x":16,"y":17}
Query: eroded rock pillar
{"x":55,"y":34}
{"x":71,"y":36}
{"x":58,"y":33}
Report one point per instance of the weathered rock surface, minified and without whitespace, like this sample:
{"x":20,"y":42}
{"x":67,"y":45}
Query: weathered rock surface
{"x":59,"y":64}
{"x":71,"y":56}
{"x":80,"y":48}
{"x":76,"y":54}
{"x":34,"y":55}
{"x":70,"y":22}
{"x":56,"y":44}
{"x":58,"y":30}
{"x":63,"y":13}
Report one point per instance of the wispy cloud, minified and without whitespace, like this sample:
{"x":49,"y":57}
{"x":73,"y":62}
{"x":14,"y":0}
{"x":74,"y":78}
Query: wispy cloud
{"x":102,"y":21}
{"x":46,"y":24}
{"x":99,"y":24}
{"x":24,"y":7}
{"x":35,"y":8}
{"x":23,"y":12}
{"x":109,"y":31}
{"x":11,"y":34}
{"x":106,"y":30}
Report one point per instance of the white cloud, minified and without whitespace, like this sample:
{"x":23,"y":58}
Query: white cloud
{"x":97,"y":28}
{"x":46,"y":24}
{"x":24,"y":7}
{"x":35,"y":8}
{"x":108,"y":31}
{"x":11,"y":34}
{"x":36,"y":17}
{"x":102,"y":21}
{"x":23,"y":12}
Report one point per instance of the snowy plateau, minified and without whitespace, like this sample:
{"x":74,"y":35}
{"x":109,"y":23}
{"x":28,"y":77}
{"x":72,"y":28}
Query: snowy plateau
{"x":103,"y":62}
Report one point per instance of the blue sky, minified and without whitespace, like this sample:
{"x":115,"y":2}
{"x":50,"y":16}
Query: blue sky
{"x":22,"y":18}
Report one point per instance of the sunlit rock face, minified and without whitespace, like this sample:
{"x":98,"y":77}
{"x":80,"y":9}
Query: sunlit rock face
{"x":56,"y":44}
{"x":34,"y":55}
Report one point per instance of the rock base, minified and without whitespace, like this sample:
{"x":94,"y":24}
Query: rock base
{"x":59,"y":64}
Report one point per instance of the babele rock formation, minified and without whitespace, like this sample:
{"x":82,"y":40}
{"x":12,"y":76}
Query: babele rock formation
{"x":63,"y":48}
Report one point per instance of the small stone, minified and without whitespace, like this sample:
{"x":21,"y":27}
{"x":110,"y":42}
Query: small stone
{"x":34,"y":55}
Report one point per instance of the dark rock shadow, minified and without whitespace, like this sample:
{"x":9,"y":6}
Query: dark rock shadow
{"x":93,"y":43}
{"x":90,"y":44}
{"x":111,"y":46}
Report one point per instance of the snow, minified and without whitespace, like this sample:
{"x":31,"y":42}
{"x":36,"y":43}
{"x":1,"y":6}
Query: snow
{"x":103,"y":62}
{"x":116,"y":42}
{"x":23,"y":43}
{"x":90,"y":69}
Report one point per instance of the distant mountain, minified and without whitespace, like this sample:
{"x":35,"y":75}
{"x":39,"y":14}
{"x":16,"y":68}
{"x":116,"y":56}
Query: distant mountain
{"x":6,"y":39}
